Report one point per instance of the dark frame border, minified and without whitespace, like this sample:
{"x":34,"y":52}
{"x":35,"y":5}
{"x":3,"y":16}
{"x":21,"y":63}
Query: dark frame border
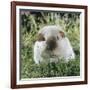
{"x":13,"y":44}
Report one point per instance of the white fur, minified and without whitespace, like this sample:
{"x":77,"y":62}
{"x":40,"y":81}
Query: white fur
{"x":51,"y":30}
{"x":38,"y":48}
{"x":64,"y":49}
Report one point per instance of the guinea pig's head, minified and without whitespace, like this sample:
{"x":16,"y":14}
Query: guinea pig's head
{"x":51,"y":35}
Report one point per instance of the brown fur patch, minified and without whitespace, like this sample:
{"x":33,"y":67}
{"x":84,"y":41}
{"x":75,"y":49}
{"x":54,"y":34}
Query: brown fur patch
{"x":62,"y":34}
{"x":51,"y":43}
{"x":40,"y":37}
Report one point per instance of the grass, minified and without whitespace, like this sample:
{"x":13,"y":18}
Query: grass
{"x":61,"y":68}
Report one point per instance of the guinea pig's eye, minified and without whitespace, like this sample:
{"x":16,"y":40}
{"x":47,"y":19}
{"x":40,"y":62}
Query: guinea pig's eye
{"x":57,"y":38}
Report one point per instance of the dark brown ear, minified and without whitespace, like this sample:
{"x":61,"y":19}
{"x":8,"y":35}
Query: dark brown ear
{"x":62,"y":34}
{"x":40,"y":37}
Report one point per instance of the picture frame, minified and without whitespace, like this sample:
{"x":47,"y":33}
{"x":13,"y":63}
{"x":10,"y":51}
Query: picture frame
{"x":20,"y":8}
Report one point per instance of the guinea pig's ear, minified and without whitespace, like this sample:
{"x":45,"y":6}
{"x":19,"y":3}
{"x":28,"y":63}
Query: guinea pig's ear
{"x":62,"y":34}
{"x":40,"y":37}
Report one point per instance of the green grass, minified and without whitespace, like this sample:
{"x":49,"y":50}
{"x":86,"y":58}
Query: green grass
{"x":71,"y":68}
{"x":30,"y":23}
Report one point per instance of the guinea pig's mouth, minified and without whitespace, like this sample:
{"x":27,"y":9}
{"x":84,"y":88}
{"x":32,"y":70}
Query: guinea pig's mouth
{"x":52,"y":55}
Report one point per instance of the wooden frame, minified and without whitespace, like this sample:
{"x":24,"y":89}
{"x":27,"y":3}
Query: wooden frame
{"x":14,"y":84}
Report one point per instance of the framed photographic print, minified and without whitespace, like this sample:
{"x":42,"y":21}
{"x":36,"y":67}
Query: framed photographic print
{"x":48,"y":44}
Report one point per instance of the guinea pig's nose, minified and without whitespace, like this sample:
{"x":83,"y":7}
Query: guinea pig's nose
{"x":51,"y":43}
